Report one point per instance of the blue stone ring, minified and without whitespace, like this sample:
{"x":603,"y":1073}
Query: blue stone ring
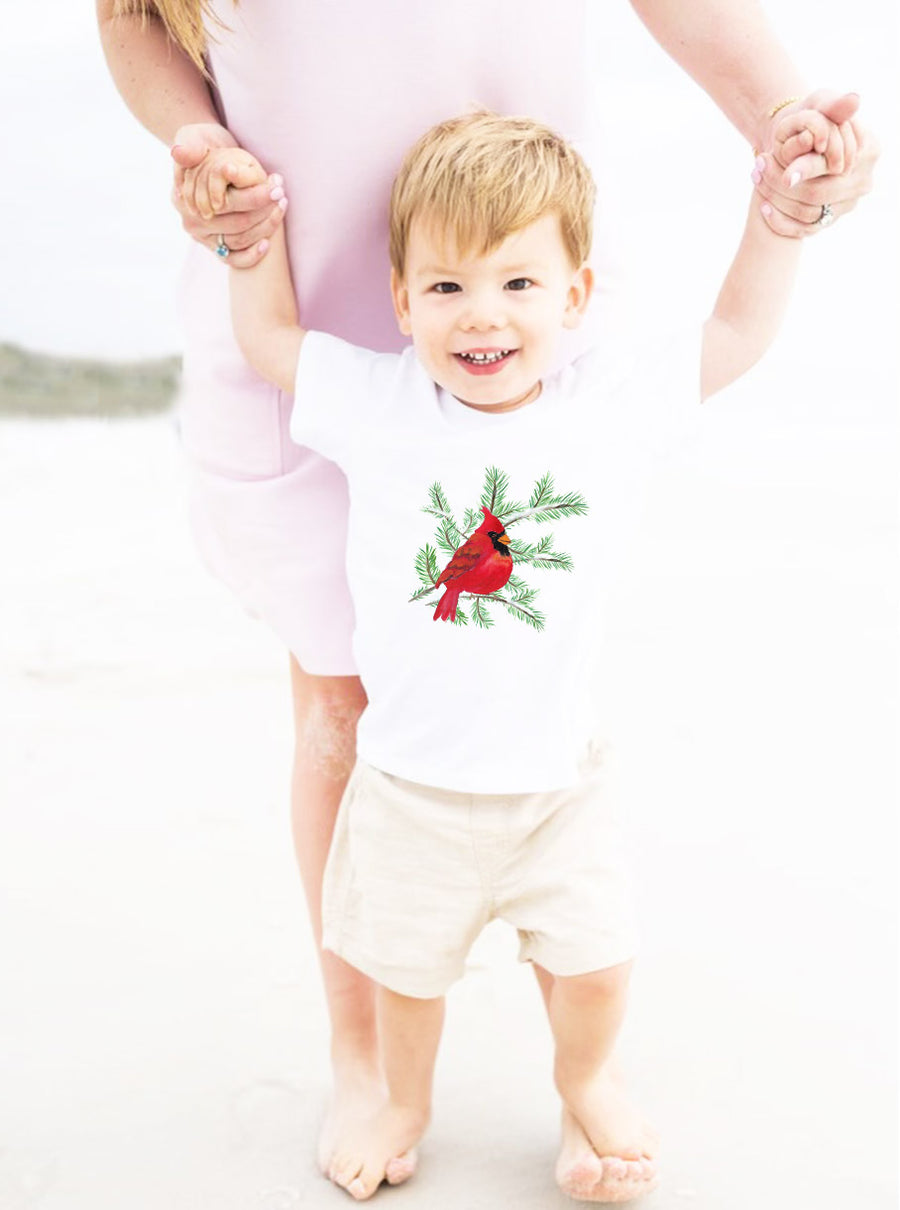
{"x":222,"y":248}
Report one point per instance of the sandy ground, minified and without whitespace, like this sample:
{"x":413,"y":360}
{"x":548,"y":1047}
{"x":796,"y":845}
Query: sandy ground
{"x":161,"y":1023}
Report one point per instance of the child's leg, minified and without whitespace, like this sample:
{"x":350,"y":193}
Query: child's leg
{"x":410,"y":1031}
{"x":585,"y":1013}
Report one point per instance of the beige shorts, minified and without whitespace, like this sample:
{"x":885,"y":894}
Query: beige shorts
{"x":415,"y":873}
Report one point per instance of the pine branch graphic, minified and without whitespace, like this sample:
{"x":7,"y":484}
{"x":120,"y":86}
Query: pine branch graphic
{"x":493,"y":495}
{"x":519,"y":609}
{"x":448,"y":537}
{"x":542,"y":555}
{"x":439,"y":508}
{"x":495,"y":485}
{"x":427,"y":570}
{"x":480,"y":615}
{"x":517,"y":598}
{"x":545,"y":505}
{"x":520,"y":590}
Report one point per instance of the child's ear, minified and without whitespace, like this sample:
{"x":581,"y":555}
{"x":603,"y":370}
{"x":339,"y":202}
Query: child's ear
{"x":580,"y":292}
{"x":400,"y":296}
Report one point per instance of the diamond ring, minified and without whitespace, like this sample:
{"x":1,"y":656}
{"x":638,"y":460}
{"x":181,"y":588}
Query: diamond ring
{"x":826,"y":218}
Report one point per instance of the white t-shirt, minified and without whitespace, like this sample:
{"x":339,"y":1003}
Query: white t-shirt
{"x":498,"y":703}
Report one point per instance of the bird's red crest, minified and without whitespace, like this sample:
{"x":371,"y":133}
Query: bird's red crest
{"x":490,"y":522}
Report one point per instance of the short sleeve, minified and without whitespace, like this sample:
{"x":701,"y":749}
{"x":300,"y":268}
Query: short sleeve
{"x":666,"y":382}
{"x":340,"y":390}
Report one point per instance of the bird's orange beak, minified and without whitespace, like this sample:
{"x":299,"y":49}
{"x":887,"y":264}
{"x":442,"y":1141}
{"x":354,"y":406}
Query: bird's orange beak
{"x":504,"y":539}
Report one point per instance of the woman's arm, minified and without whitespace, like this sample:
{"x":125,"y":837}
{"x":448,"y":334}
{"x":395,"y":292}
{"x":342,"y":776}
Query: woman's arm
{"x":169,"y":95}
{"x":731,"y":51}
{"x":157,"y":81}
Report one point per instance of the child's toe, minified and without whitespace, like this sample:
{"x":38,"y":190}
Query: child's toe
{"x":401,"y":1168}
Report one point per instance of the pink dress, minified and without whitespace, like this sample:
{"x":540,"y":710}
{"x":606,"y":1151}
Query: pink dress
{"x":331,"y":96}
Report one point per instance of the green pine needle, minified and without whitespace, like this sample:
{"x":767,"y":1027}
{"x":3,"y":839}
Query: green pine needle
{"x":496,"y":484}
{"x":542,"y":555}
{"x":522,"y":611}
{"x":426,"y":566}
{"x":448,"y":537}
{"x":543,"y":490}
{"x":480,"y":615}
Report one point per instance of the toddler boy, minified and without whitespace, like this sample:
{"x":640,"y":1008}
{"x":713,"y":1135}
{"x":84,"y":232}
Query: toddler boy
{"x":489,"y":502}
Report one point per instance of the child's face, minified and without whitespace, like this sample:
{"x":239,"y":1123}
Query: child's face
{"x":486,"y":327}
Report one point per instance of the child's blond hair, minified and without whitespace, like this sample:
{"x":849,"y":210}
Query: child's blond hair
{"x":482,"y":177}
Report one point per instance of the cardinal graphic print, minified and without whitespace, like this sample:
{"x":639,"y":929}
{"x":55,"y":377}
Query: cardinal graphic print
{"x":479,"y":562}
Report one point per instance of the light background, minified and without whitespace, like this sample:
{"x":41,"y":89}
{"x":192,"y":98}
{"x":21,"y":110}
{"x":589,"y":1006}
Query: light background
{"x":161,"y":1033}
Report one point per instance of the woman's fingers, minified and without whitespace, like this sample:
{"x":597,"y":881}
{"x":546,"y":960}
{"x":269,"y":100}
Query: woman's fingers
{"x":187,"y":155}
{"x":786,"y":224}
{"x":244,"y":238}
{"x":792,"y":203}
{"x":253,"y":197}
{"x":837,"y":107}
{"x":200,"y":190}
{"x":805,"y":168}
{"x":797,"y":210}
{"x":242,"y":258}
{"x":225,"y":198}
{"x":851,"y":146}
{"x":245,"y":210}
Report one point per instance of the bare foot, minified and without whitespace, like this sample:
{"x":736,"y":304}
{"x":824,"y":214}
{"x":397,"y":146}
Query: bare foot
{"x":357,"y":1099}
{"x":579,"y":1167}
{"x":608,"y":1150}
{"x":369,"y":1153}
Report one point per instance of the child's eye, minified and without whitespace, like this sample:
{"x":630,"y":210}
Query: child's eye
{"x":445,"y":287}
{"x":519,"y":283}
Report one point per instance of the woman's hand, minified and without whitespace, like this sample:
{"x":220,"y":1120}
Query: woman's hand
{"x":224,"y":196}
{"x":817,"y":163}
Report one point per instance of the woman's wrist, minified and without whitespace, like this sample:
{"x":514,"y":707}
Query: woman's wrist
{"x":768,"y":119}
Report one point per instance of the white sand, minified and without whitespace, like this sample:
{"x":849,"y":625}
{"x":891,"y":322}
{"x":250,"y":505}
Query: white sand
{"x":161,"y":1021}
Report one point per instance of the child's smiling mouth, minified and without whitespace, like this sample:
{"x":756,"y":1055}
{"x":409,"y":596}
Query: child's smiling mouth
{"x":484,"y":361}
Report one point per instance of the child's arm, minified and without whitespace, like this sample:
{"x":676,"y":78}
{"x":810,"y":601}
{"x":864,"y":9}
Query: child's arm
{"x":264,"y":316}
{"x":751,"y":304}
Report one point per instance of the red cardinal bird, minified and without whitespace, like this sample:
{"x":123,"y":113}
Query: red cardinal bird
{"x":482,"y":564}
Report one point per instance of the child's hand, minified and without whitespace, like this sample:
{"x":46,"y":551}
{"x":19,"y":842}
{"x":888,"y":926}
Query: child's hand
{"x":818,"y":164}
{"x":808,"y":143}
{"x":204,"y":185}
{"x":224,"y":196}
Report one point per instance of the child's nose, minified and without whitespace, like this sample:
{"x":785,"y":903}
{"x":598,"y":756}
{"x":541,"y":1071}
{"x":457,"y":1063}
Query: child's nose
{"x":484,"y":313}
